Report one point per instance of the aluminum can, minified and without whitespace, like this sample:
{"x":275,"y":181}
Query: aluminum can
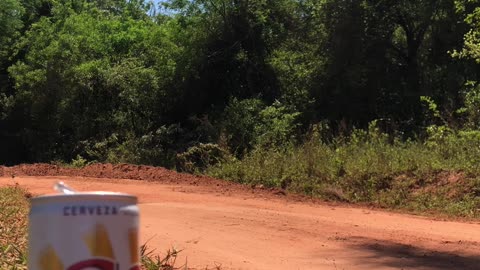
{"x":84,"y":231}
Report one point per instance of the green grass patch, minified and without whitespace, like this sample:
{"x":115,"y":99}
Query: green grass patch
{"x":439,"y":174}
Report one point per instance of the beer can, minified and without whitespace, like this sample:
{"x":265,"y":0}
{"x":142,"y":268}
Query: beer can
{"x":84,"y":231}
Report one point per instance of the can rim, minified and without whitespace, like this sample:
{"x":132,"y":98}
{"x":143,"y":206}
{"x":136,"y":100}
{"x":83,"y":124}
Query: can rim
{"x":104,"y":195}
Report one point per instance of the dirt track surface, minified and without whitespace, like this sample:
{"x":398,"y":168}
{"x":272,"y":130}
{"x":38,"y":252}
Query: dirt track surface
{"x":219,"y":223}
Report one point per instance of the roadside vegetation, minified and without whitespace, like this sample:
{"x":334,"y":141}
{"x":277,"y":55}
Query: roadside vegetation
{"x":438,"y":175}
{"x":14,"y":209}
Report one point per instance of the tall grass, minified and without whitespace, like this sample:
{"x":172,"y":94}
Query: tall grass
{"x":439,"y":173}
{"x":14,"y":208}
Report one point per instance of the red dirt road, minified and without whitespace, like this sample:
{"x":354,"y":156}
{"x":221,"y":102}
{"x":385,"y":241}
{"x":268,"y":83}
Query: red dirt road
{"x":217,"y":223}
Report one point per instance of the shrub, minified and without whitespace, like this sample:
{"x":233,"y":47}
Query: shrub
{"x":369,"y":166}
{"x":199,"y":157}
{"x":249,"y":124}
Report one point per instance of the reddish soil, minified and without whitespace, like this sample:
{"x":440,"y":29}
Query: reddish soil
{"x":219,"y":223}
{"x":120,"y":171}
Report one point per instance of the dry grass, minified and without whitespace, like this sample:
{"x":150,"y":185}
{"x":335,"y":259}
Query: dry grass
{"x":151,"y":261}
{"x":14,"y":208}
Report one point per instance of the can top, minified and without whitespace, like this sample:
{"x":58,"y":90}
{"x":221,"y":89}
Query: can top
{"x":85,"y":196}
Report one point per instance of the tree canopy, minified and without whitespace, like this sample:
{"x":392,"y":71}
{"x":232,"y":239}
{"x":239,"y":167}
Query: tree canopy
{"x":135,"y":81}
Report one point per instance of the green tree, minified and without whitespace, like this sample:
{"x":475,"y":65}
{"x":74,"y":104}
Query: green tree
{"x":470,"y":53}
{"x":11,"y":12}
{"x":470,"y":9}
{"x":120,"y":80}
{"x":383,"y":55}
{"x":88,"y":74}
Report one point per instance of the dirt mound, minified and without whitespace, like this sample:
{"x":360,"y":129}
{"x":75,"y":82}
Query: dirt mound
{"x":118,"y":171}
{"x":148,"y":173}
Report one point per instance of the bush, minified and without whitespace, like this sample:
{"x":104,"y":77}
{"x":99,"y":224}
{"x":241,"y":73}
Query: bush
{"x":240,"y":121}
{"x":154,"y":148}
{"x":249,"y":124}
{"x":199,"y":157}
{"x":369,"y":166}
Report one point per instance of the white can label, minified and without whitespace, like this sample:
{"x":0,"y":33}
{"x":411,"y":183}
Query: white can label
{"x":89,"y":235}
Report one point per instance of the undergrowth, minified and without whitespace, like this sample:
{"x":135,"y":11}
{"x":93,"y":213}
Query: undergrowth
{"x":13,"y":228}
{"x":437,"y":174}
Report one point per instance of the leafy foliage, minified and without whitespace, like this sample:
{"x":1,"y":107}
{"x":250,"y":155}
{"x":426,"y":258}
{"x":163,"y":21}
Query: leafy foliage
{"x":11,"y":12}
{"x":370,"y":166}
{"x":199,"y":157}
{"x":133,"y":81}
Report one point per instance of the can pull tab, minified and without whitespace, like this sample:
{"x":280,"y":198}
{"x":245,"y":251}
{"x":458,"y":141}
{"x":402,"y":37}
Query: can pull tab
{"x":63,"y":188}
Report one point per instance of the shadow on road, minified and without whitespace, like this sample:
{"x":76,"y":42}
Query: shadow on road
{"x":401,"y":256}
